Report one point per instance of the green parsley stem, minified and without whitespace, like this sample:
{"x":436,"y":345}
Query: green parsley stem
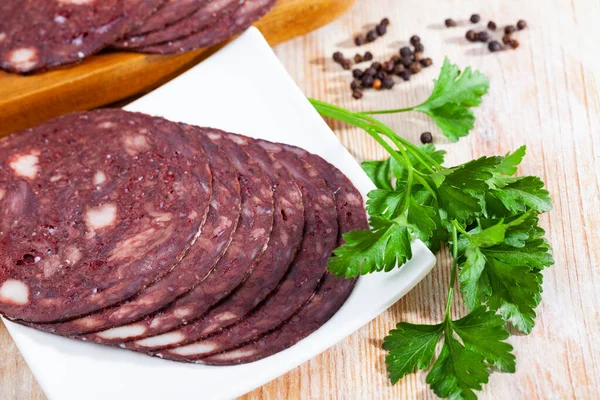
{"x":459,"y":228}
{"x":397,"y":110}
{"x":447,"y":317}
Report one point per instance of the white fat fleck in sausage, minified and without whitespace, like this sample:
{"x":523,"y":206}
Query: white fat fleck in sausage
{"x":26,"y":165}
{"x":195,"y":349}
{"x":99,"y":178}
{"x":165,"y":339}
{"x":101,"y":217}
{"x":135,"y":144}
{"x":123,"y":332}
{"x":24,"y":58}
{"x":234,"y":354}
{"x":2,"y":193}
{"x":14,"y":292}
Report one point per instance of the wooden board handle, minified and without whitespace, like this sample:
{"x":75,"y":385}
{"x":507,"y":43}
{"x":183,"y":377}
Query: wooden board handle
{"x":106,"y":78}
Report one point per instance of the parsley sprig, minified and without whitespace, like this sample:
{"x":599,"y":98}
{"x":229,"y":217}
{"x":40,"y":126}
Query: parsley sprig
{"x":481,"y":210}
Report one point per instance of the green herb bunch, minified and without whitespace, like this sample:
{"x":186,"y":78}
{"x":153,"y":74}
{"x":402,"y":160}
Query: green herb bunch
{"x":485,"y":214}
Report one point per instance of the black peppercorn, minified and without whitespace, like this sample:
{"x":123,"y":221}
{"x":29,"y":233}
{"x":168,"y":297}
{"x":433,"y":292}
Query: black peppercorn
{"x":376,"y":65}
{"x":426,"y":62}
{"x":338,"y":57}
{"x":346,"y":64}
{"x":414,"y":39}
{"x":449,"y":23}
{"x":358,"y":58}
{"x":396,"y":59}
{"x":367,"y":81}
{"x":357,"y":94}
{"x":514,"y":43}
{"x":426,"y":137}
{"x":419,"y":47}
{"x":471,"y":35}
{"x":508,"y":29}
{"x":405,"y":51}
{"x":357,"y":73}
{"x":368,"y":56}
{"x":483,"y":36}
{"x":370,"y":72}
{"x":385,"y":22}
{"x":381,"y":29}
{"x":388,"y":66}
{"x":398,"y":69}
{"x":405,"y":75}
{"x":371,"y":36}
{"x":380,"y":75}
{"x":359,"y":40}
{"x":406,"y":61}
{"x":492,"y":26}
{"x":415,"y":68}
{"x":355,"y":84}
{"x":506,"y":39}
{"x":521,"y":24}
{"x":475,"y":18}
{"x":494,"y":46}
{"x":388,"y":82}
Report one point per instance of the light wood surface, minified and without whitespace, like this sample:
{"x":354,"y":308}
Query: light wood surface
{"x":112,"y":76}
{"x":545,"y":95}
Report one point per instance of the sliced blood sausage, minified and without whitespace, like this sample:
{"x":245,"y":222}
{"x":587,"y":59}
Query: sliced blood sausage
{"x":39,"y":34}
{"x":320,"y":239}
{"x":249,"y":241}
{"x":221,"y":30}
{"x":171,"y":12}
{"x":332,"y":292}
{"x":95,"y":207}
{"x":286,"y":238}
{"x":221,"y":221}
{"x":205,"y":16}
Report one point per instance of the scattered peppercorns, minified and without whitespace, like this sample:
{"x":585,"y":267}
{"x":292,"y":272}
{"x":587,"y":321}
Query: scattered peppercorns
{"x":508,"y":29}
{"x":521,"y":24}
{"x":471,"y":35}
{"x":372,"y":36}
{"x":357,"y":94}
{"x":360,"y":39}
{"x":415,"y":67}
{"x":381,"y":29}
{"x":338,"y":57}
{"x":385,"y":22}
{"x":346,"y":64}
{"x":355,"y":84}
{"x":376,"y":65}
{"x":492,"y":26}
{"x":450,"y":23}
{"x":483,"y":36}
{"x":426,"y":137}
{"x":389,"y":66}
{"x":358,"y":58}
{"x":475,"y":18}
{"x":506,"y":39}
{"x":368,"y":56}
{"x":514,"y":43}
{"x":494,"y":46}
{"x":405,"y":75}
{"x":414,"y":39}
{"x":367,"y":81}
{"x":406,"y":51}
{"x":419,"y":47}
{"x":426,"y":62}
{"x":357,"y":73}
{"x":388,"y":82}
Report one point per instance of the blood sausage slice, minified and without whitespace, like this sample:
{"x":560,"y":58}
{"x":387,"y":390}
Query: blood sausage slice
{"x":221,"y":221}
{"x":95,"y":207}
{"x":286,"y":238}
{"x":320,"y":239}
{"x":332,"y":292}
{"x":249,"y":241}
{"x":210,"y":13}
{"x":38,"y":34}
{"x":221,"y":30}
{"x":171,"y":12}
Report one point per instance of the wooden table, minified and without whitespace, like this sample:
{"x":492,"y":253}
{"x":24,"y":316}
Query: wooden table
{"x":544,"y":94}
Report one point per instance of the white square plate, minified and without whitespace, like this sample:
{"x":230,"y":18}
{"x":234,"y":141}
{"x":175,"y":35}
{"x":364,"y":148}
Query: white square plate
{"x":243,"y":88}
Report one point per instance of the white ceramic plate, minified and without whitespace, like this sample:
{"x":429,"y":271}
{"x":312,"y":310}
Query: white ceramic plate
{"x":244,"y":89}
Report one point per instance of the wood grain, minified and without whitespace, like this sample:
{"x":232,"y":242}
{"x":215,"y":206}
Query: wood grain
{"x":546,"y":94}
{"x":108,"y":77}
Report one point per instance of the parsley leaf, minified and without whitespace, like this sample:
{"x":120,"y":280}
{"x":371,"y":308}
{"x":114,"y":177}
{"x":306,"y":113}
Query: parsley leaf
{"x":388,"y":243}
{"x":411,"y":347}
{"x":453,"y":94}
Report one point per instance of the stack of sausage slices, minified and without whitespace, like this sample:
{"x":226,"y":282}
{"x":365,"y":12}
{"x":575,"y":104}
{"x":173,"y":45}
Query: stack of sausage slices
{"x":186,"y":243}
{"x":39,"y":34}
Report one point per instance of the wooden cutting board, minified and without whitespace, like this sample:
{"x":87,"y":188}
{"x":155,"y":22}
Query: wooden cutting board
{"x":106,"y":78}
